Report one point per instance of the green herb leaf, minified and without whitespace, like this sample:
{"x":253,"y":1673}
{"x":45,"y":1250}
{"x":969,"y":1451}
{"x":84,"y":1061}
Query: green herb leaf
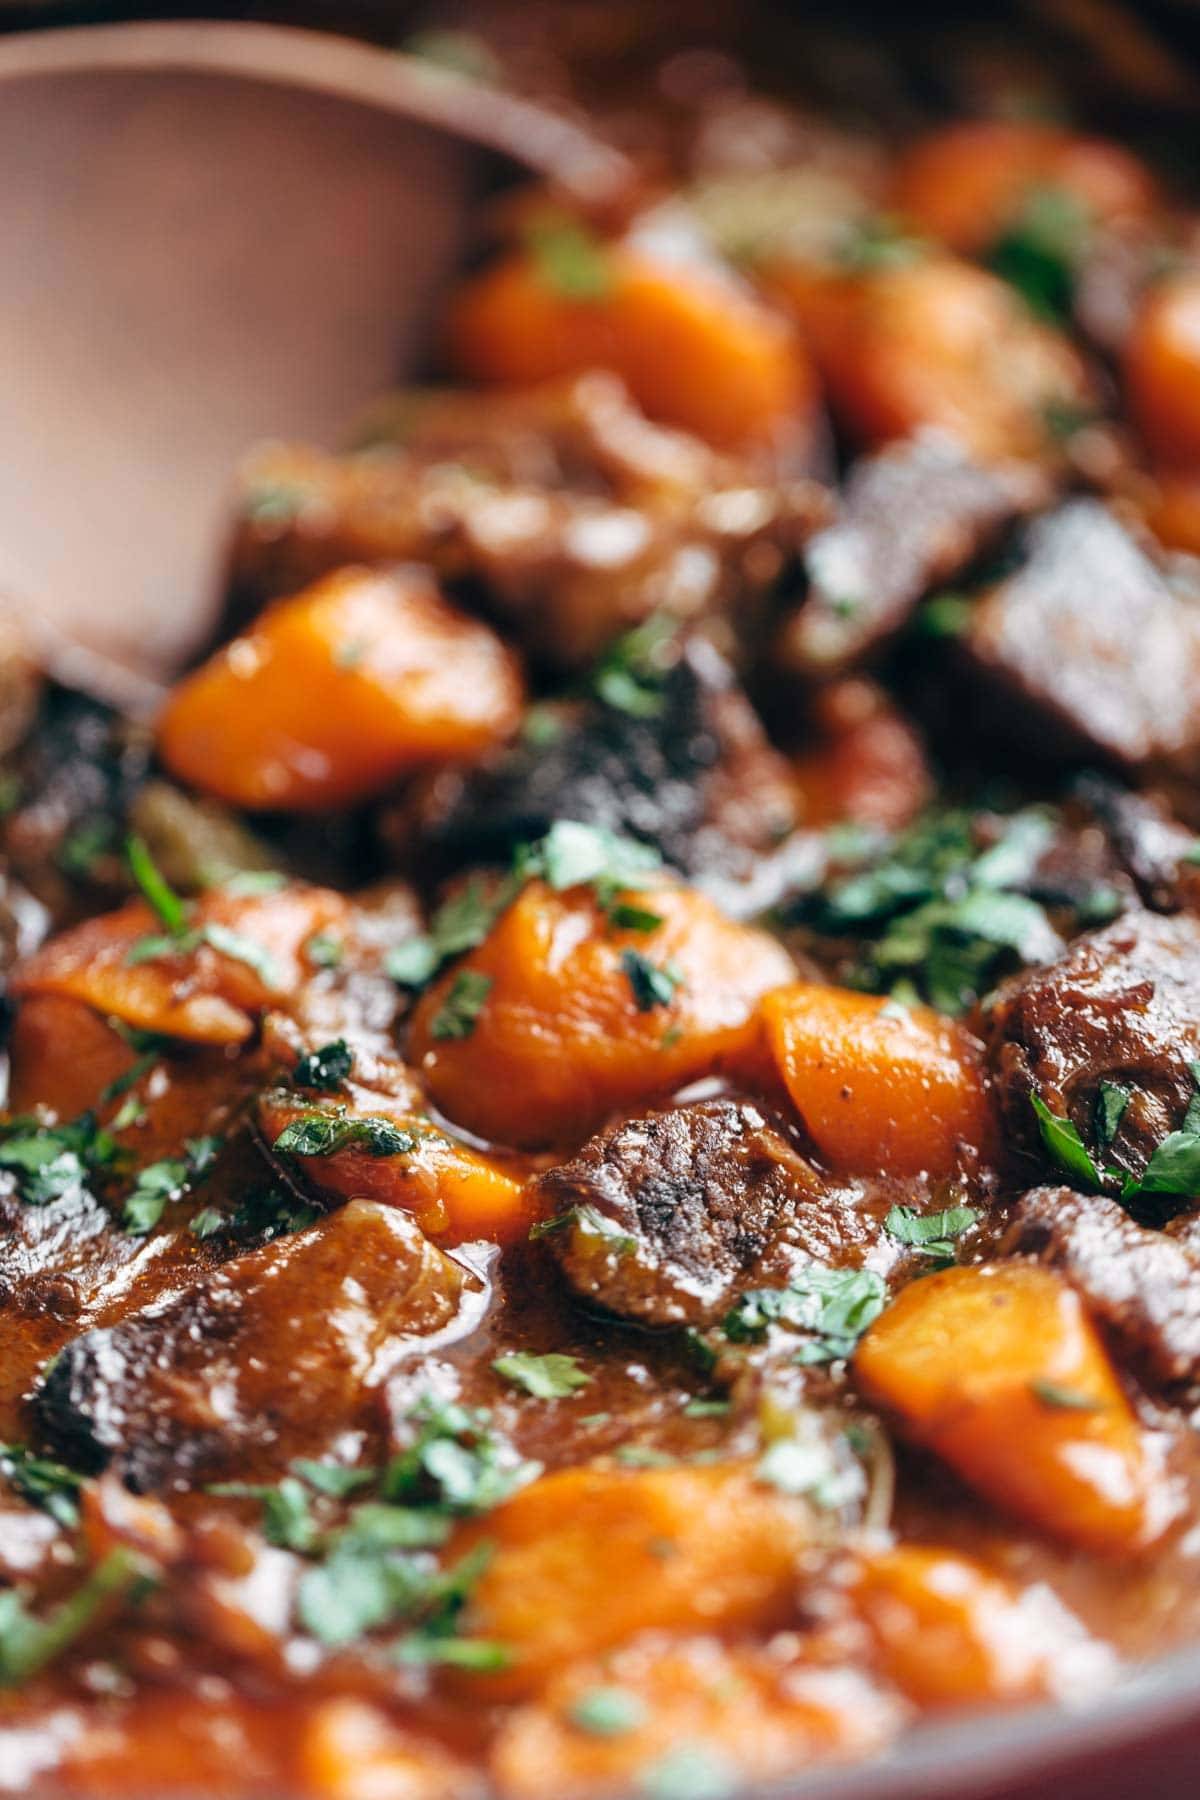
{"x":834,"y":1306}
{"x":324,"y":951}
{"x":286,"y":1512}
{"x":333,"y":1479}
{"x":1174,"y":1168}
{"x":245,"y":950}
{"x":29,"y":1644}
{"x":456,"y":1016}
{"x":324,"y":1133}
{"x":1064,"y":1399}
{"x":549,"y":1377}
{"x":1064,"y":1146}
{"x":456,"y":1461}
{"x":631,"y":675}
{"x":1111,"y":1101}
{"x":43,"y":1482}
{"x":933,"y":1234}
{"x":607,"y":1712}
{"x":170,"y":910}
{"x":653,"y":984}
{"x":412,"y":963}
{"x":325,"y":1069}
{"x":689,"y":1772}
{"x":570,"y":260}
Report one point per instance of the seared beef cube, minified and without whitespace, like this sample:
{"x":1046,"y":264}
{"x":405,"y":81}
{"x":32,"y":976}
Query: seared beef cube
{"x":690,"y":773}
{"x":912,"y":517}
{"x":1120,"y":1009}
{"x":272,"y":1356}
{"x":1090,"y":651}
{"x":1143,"y":1286}
{"x":662,"y":1219}
{"x":74,"y":779}
{"x":564,"y":508}
{"x":1152,"y":847}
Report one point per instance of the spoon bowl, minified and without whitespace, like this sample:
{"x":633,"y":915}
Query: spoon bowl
{"x":214,"y":233}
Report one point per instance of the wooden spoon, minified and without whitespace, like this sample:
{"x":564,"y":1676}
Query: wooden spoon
{"x":213,"y":233}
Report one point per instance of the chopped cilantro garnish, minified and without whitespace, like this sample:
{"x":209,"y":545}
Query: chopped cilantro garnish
{"x":630,"y":675}
{"x":1111,"y":1101}
{"x":168,"y":908}
{"x":570,"y":259}
{"x":689,"y":1772}
{"x":324,"y":951}
{"x":1064,"y":1399}
{"x":653,"y":984}
{"x":456,"y":1016}
{"x":83,"y":848}
{"x":607,"y":1712}
{"x":325,"y":1069}
{"x":28,"y":1644}
{"x":53,"y":1162}
{"x":324,"y":1133}
{"x":549,"y":1377}
{"x":1064,"y":1145}
{"x":335,"y":1480}
{"x":160,"y":1183}
{"x":287,"y":1518}
{"x":833,"y":1306}
{"x":1040,"y":252}
{"x":251,"y":882}
{"x":43,"y":1482}
{"x":932,"y":1234}
{"x":937,"y":911}
{"x":455,"y":1461}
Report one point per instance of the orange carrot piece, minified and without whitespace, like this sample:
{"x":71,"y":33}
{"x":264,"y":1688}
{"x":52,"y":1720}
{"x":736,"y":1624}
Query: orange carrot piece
{"x":881,"y":1088}
{"x":696,"y":348}
{"x":331,"y":695}
{"x":998,"y":1370}
{"x":567,"y":1031}
{"x":969,"y":182}
{"x":586,"y":1558}
{"x":200,"y":991}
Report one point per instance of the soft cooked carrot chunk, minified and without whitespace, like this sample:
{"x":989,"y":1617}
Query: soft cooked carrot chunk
{"x":586,"y":1558}
{"x":696,"y":348}
{"x":351,"y":1750}
{"x":1162,"y":370}
{"x":1170,"y":507}
{"x":998,"y":1370}
{"x":939,"y":343}
{"x":729,"y":1710}
{"x":454,"y":1193}
{"x":330,"y":695}
{"x":948,"y":1632}
{"x":239,"y":955}
{"x":970,"y":182}
{"x":570,"y":1016}
{"x":881,"y":1088}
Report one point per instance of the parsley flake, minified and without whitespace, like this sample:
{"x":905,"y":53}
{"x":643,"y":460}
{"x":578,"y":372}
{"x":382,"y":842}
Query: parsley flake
{"x":456,"y":1016}
{"x":653,"y":984}
{"x":550,"y":1377}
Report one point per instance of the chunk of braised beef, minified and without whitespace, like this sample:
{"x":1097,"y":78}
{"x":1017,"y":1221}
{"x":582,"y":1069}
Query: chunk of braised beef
{"x":73,"y":780}
{"x":1087,"y":652}
{"x":1117,"y":1014}
{"x":272,"y":1356}
{"x":563,"y":507}
{"x":690,"y":772}
{"x":1142,"y":1285}
{"x":911,"y":518}
{"x":1148,"y":843}
{"x":663,"y":1218}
